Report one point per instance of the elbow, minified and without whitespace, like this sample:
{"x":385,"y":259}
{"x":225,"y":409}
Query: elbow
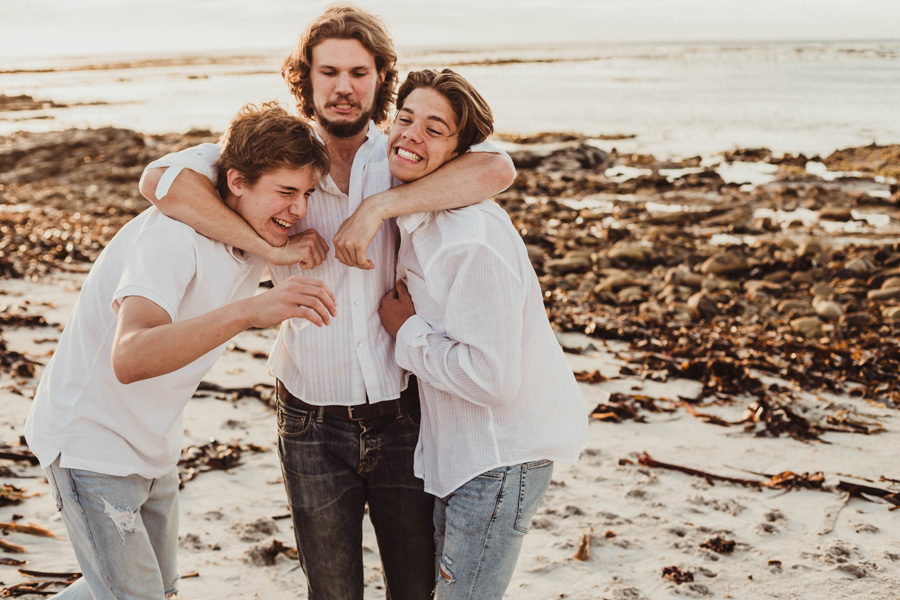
{"x":504,"y":387}
{"x":126,"y":371}
{"x":504,"y":174}
{"x":149,"y":182}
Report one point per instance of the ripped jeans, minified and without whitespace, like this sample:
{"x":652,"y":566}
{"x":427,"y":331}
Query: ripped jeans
{"x":124,"y":531}
{"x":478,"y":530}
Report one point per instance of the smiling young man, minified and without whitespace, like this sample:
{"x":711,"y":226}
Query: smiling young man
{"x":154,"y":314}
{"x":499,"y":401}
{"x":347,"y":413}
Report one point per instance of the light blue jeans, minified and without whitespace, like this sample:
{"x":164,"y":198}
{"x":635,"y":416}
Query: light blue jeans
{"x":124,"y":531}
{"x":478,"y":530}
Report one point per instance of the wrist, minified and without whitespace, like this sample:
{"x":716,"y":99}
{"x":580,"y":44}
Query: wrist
{"x":378,"y":206}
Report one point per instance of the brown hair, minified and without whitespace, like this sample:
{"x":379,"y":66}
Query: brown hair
{"x":260,"y":139}
{"x":476,"y":122}
{"x":344,"y":22}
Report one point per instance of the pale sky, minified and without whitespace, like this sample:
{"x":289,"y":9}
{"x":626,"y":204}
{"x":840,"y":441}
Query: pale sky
{"x":73,"y":27}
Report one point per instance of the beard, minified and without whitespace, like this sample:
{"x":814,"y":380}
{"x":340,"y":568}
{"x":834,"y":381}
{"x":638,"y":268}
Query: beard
{"x":345,"y":129}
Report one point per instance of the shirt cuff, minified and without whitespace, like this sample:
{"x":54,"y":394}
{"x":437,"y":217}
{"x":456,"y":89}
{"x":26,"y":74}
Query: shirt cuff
{"x":411,"y":335}
{"x":165,"y":182}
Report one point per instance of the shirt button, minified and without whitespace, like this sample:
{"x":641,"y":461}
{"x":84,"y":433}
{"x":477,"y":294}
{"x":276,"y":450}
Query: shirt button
{"x":356,"y":303}
{"x":359,"y":344}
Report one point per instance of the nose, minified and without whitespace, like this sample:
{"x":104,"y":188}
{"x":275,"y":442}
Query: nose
{"x":298,"y":207}
{"x":343,"y":84}
{"x":413,"y":132}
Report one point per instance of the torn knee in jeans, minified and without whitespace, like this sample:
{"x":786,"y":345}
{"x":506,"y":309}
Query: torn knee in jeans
{"x":446,"y":575}
{"x":125,"y":519}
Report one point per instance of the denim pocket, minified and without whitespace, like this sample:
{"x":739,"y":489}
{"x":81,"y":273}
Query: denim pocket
{"x":293,"y":422}
{"x":533,"y":485}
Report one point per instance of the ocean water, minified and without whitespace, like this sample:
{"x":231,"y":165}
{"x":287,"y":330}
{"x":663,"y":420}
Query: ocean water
{"x":675,"y":99}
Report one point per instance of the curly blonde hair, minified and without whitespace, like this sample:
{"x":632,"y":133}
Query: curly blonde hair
{"x":344,"y":22}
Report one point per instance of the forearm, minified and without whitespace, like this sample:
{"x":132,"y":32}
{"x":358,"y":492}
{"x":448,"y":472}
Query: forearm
{"x":466,"y":180}
{"x":142,"y":353}
{"x":193,"y":200}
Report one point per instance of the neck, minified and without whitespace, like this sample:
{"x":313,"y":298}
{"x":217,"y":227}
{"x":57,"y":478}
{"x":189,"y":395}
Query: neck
{"x":343,"y":149}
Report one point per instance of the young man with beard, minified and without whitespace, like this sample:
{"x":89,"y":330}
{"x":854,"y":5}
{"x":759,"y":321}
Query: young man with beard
{"x":154,"y":314}
{"x":347,"y":414}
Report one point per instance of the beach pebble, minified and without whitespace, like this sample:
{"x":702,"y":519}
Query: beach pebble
{"x":703,"y":304}
{"x":856,"y":320}
{"x":891,"y":282}
{"x":836,"y":213}
{"x":891,"y":313}
{"x":810,"y":249}
{"x":571,"y":263}
{"x":827,"y":309}
{"x":780,"y":276}
{"x":884,"y":294}
{"x":724,"y":263}
{"x":615,"y":281}
{"x":861,"y":265}
{"x":682,"y":275}
{"x":795,"y":308}
{"x":535,"y":253}
{"x":809,"y":327}
{"x":822,"y":290}
{"x":630,"y":252}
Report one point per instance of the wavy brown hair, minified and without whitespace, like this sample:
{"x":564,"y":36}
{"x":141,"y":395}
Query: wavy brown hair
{"x":343,"y":22}
{"x":262,"y":138}
{"x":474,"y":116}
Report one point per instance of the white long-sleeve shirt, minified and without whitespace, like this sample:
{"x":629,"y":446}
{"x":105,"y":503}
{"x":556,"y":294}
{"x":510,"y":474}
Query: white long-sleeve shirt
{"x":354,"y":355}
{"x":496,"y":387}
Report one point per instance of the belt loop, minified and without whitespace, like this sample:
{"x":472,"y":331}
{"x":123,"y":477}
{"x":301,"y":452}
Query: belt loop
{"x":320,"y":414}
{"x":398,"y":408}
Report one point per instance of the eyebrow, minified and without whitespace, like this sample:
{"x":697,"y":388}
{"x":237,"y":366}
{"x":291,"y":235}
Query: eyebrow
{"x":430,"y":117}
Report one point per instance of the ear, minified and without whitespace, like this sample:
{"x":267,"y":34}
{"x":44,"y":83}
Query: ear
{"x":381,"y":75}
{"x":235,"y":182}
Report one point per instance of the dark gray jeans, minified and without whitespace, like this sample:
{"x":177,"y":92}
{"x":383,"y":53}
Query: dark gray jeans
{"x":332,"y":469}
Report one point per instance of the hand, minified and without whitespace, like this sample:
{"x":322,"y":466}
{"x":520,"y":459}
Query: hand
{"x":396,"y":307}
{"x":356,"y":233}
{"x":306,"y":249}
{"x":296,"y":297}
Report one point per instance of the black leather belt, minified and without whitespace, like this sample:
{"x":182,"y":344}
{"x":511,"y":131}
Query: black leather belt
{"x":407,"y":402}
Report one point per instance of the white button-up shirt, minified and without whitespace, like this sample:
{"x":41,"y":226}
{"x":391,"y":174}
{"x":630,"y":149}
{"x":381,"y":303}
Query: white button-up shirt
{"x":352,"y":357}
{"x":496,"y":387}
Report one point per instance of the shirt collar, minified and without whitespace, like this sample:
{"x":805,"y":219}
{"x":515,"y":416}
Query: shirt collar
{"x":372,"y":134}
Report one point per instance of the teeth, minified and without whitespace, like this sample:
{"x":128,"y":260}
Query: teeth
{"x":282,"y":223}
{"x":408,"y":155}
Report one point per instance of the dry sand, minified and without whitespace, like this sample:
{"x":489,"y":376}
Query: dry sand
{"x":634,"y":521}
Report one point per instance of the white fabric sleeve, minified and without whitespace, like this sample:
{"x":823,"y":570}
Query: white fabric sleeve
{"x":160,"y":267}
{"x":479,"y":355}
{"x":200,"y":159}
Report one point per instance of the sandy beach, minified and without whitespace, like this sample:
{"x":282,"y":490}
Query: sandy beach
{"x":733,"y":320}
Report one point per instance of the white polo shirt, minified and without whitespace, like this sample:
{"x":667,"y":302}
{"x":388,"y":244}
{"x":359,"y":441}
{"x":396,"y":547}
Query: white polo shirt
{"x":81,"y":412}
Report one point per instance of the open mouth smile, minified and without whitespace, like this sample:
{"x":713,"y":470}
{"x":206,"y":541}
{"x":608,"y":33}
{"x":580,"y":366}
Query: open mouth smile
{"x":282,"y":223}
{"x":407,"y":155}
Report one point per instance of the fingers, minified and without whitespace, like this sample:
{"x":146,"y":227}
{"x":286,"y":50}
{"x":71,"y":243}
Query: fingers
{"x":352,"y":254}
{"x":402,"y":291}
{"x":309,"y":299}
